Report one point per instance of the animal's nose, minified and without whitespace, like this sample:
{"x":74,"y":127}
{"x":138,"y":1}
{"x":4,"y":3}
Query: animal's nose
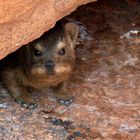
{"x":50,"y":65}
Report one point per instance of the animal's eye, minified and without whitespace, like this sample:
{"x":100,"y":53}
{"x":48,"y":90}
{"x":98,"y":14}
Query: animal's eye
{"x":37,"y":53}
{"x":61,"y":51}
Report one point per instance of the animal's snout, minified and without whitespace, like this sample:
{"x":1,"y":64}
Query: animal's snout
{"x":50,"y":65}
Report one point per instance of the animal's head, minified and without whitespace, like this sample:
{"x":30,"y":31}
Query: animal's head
{"x":53,"y":53}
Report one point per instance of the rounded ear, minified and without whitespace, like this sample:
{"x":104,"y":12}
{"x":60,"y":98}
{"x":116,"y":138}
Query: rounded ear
{"x":72,"y":30}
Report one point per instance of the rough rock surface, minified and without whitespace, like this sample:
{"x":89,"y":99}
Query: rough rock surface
{"x":105,"y":84}
{"x":23,"y":21}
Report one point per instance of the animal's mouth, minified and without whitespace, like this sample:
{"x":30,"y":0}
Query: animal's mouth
{"x":51,"y":73}
{"x":59,"y":69}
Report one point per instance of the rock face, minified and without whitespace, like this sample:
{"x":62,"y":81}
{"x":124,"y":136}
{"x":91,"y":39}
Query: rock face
{"x":105,"y":84}
{"x":23,"y":21}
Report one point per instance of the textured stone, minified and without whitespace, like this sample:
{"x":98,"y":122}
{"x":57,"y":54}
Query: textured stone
{"x":105,"y":84}
{"x":23,"y":21}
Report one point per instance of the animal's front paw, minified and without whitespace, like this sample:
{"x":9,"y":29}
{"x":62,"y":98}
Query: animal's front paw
{"x":24,"y":104}
{"x":65,"y":102}
{"x":64,"y":98}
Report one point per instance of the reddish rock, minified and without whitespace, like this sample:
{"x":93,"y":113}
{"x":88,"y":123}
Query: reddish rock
{"x":23,"y":21}
{"x":105,"y":84}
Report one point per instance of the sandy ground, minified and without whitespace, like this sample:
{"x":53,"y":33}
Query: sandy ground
{"x":105,"y":83}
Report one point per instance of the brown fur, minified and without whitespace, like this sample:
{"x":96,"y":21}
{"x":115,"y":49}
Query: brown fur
{"x":32,"y":70}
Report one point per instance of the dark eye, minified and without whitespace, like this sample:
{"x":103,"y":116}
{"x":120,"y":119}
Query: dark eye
{"x":37,"y":53}
{"x":61,"y":51}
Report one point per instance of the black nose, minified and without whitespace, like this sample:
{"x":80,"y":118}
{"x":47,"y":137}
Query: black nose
{"x":50,"y":65}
